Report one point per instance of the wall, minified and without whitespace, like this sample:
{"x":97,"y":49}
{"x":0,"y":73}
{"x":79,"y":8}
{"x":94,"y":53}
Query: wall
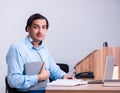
{"x":77,"y":27}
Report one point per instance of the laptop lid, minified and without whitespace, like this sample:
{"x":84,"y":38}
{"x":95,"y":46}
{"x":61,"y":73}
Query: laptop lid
{"x":109,"y":67}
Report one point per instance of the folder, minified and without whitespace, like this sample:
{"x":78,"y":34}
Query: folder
{"x":34,"y":68}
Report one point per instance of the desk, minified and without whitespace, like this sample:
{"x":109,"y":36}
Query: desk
{"x":88,"y":88}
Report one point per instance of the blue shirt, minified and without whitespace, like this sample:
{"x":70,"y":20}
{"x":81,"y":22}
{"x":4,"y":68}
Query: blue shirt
{"x":23,"y":52}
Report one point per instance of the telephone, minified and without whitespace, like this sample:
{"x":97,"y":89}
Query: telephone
{"x":84,"y":75}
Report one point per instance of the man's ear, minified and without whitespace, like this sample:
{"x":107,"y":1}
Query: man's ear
{"x":28,"y":29}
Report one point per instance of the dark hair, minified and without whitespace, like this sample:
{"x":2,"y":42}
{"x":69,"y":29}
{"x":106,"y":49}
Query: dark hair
{"x":34,"y":17}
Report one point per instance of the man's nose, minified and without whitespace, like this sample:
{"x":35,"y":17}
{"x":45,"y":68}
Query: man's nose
{"x":40,"y":30}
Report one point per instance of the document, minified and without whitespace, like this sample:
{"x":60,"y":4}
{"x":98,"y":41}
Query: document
{"x":67,"y":82}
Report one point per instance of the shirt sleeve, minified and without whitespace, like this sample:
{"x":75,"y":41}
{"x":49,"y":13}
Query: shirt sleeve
{"x":55,"y":71}
{"x":16,"y":77}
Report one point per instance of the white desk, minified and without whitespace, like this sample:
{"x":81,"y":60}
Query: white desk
{"x":88,"y":88}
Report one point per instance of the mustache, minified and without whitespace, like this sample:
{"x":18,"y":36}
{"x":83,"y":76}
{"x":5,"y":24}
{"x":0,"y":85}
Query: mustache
{"x":38,"y":33}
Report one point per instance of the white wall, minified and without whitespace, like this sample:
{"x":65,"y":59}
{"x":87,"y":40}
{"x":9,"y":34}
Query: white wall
{"x":77,"y":27}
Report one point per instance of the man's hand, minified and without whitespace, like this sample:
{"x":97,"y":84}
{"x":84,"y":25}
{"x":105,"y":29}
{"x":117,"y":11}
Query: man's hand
{"x":68,"y":77}
{"x":44,"y":74}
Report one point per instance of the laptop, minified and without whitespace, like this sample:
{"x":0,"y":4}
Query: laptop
{"x":34,"y":68}
{"x":109,"y":67}
{"x":108,"y":71}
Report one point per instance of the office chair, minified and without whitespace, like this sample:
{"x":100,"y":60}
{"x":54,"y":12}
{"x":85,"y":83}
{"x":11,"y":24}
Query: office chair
{"x":9,"y":89}
{"x":63,"y":67}
{"x":14,"y":90}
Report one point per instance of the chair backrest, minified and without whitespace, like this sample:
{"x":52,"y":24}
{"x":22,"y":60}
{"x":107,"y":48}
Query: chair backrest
{"x":63,"y":66}
{"x":9,"y":89}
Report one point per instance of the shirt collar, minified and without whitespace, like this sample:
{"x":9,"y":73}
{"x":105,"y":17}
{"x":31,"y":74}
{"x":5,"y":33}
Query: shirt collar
{"x":30,"y":39}
{"x":29,"y":42}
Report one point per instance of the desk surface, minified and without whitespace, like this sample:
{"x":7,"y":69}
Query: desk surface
{"x":88,"y":88}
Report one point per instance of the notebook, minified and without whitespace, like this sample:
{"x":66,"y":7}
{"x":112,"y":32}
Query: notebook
{"x":34,"y":68}
{"x":108,"y":71}
{"x":67,"y":82}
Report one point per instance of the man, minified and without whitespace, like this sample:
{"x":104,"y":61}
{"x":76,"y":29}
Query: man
{"x":28,"y":50}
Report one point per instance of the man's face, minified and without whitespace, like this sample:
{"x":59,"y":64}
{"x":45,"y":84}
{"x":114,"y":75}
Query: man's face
{"x":37,"y":31}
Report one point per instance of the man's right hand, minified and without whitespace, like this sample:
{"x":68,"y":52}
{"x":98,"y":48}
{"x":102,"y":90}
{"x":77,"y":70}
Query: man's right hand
{"x":44,"y":74}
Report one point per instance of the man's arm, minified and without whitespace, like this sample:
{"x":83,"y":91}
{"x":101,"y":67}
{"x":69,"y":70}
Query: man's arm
{"x":16,"y":77}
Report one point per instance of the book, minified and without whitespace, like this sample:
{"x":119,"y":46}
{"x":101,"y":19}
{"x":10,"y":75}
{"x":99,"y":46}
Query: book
{"x":67,"y":82}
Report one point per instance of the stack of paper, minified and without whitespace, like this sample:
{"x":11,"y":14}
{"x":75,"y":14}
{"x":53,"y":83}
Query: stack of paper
{"x":67,"y":82}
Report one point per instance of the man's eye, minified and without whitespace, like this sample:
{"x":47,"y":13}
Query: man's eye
{"x":36,"y":27}
{"x":44,"y":27}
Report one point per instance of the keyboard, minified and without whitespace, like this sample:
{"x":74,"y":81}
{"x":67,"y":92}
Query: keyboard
{"x":67,"y":82}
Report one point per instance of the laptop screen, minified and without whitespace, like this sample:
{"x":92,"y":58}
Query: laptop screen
{"x":109,"y":67}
